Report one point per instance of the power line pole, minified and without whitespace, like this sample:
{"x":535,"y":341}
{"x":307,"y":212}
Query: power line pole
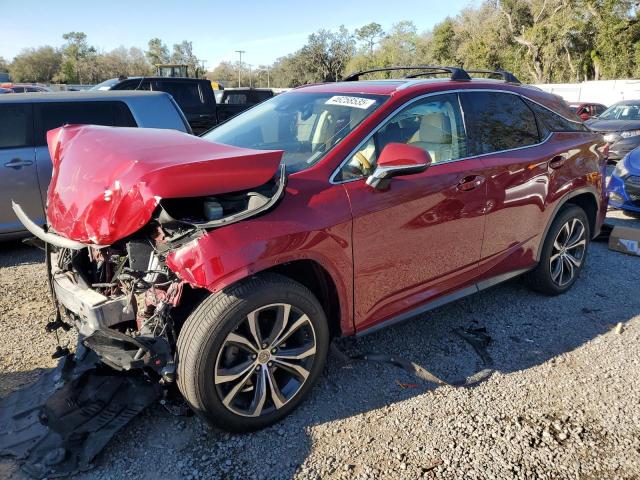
{"x":240,"y":52}
{"x":268,"y":85}
{"x":249,"y":65}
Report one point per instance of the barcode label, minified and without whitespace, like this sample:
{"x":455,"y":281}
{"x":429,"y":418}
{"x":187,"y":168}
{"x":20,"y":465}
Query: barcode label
{"x":355,"y":102}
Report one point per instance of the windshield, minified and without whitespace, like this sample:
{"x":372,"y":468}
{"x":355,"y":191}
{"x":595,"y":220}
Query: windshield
{"x":305,"y":125}
{"x":621,"y":111}
{"x":106,"y":85}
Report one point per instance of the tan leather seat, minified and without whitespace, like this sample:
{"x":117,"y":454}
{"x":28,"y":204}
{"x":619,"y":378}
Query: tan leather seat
{"x":434,"y":136}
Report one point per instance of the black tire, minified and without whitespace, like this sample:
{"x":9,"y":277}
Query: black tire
{"x":204,"y":341}
{"x":542,"y":277}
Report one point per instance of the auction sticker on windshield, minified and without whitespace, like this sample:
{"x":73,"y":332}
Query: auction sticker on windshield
{"x":345,"y":101}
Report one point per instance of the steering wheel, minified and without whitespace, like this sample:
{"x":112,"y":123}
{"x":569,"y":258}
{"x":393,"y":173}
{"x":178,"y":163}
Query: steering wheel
{"x":365,"y":165}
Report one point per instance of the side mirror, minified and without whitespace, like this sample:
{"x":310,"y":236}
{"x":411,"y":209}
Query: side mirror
{"x":398,"y":159}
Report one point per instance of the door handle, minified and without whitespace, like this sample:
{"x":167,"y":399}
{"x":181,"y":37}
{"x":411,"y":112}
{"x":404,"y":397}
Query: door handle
{"x":17,"y":163}
{"x":557,"y":161}
{"x":470,"y":182}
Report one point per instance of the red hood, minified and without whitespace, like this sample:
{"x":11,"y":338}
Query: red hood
{"x":107,"y":181}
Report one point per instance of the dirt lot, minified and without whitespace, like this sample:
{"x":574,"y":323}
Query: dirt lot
{"x":563,"y":403}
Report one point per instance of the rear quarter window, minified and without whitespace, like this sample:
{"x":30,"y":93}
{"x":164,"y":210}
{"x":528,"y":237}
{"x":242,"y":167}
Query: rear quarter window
{"x":549,"y":121}
{"x":54,"y":115}
{"x":498,"y":121}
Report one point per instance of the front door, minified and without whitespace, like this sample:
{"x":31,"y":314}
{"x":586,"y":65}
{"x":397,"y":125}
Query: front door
{"x":421,"y":238}
{"x":18,"y":177}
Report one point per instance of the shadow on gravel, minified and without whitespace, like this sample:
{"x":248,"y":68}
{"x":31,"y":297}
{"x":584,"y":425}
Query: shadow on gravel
{"x":11,"y":381}
{"x":14,"y":253}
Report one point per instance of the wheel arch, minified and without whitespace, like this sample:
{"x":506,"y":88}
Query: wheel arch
{"x":585,"y":198}
{"x":316,"y":278}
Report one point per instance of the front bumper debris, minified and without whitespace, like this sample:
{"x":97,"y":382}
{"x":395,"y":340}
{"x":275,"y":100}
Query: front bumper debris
{"x":39,"y":232}
{"x":58,"y":425}
{"x":94,"y":310}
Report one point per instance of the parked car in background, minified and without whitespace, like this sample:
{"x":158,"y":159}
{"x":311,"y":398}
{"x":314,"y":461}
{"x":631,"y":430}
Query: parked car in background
{"x":5,"y":90}
{"x":245,"y":96}
{"x":25,"y":87}
{"x":587,"y":110}
{"x":194,"y":96}
{"x":620,"y":125}
{"x":25,"y":120}
{"x":624,"y":183}
{"x":330,"y":210}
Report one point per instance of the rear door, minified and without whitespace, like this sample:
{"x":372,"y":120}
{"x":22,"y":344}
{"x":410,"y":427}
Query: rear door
{"x":18,"y":177}
{"x":502,"y":128}
{"x":421,"y":238}
{"x":56,"y":114}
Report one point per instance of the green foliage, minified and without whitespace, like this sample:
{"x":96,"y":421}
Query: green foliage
{"x":157,"y":52}
{"x":35,"y":65}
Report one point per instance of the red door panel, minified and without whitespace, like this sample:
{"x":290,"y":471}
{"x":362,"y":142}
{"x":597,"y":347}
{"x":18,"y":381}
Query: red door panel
{"x":521,"y":187}
{"x":417,"y":240}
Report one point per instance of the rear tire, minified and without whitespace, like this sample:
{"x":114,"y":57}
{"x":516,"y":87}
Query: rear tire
{"x":236,"y":365}
{"x":563,"y":254}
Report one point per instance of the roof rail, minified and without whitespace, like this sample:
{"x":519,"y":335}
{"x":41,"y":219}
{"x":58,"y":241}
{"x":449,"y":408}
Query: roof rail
{"x":455,"y":72}
{"x":506,"y":76}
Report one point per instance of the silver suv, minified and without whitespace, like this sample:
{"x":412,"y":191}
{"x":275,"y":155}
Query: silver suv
{"x":25,"y":120}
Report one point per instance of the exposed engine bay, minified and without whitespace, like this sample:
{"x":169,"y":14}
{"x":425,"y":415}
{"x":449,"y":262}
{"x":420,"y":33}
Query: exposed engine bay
{"x":121,"y":297}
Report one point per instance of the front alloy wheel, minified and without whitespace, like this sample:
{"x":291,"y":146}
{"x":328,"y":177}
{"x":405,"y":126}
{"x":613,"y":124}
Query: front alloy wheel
{"x":266,"y":360}
{"x":249,"y":354}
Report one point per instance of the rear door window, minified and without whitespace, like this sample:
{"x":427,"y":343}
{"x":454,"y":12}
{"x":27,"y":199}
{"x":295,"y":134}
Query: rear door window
{"x":498,"y":121}
{"x":16,"y":129}
{"x":54,"y":115}
{"x":187,"y":95}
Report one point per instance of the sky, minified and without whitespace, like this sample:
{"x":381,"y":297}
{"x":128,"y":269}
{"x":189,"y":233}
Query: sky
{"x":265,"y":29}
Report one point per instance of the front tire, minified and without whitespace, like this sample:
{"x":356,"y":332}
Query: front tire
{"x":248,"y":355}
{"x":564,"y":252}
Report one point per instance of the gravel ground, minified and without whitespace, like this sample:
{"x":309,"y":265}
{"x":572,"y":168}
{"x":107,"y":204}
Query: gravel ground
{"x":564,"y":401}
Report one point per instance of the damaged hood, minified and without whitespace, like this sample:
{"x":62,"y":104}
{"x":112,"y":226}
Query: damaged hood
{"x":107,"y":181}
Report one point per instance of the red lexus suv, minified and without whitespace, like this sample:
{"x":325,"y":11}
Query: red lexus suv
{"x":226,"y":263}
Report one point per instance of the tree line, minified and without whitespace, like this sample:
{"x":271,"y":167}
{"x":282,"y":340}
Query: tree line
{"x":78,"y":62}
{"x":540,"y":41}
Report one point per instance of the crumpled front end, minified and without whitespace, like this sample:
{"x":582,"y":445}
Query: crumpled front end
{"x":116,"y":213}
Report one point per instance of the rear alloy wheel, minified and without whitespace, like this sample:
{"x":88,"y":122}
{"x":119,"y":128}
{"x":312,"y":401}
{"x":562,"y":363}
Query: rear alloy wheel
{"x":563,"y":253}
{"x":249,"y":354}
{"x":569,"y":248}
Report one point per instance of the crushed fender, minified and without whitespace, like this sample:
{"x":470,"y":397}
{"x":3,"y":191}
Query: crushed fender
{"x":56,"y":426}
{"x":476,"y":337}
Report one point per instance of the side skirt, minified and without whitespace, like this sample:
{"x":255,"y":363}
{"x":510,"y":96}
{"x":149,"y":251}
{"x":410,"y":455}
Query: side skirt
{"x":440,"y":301}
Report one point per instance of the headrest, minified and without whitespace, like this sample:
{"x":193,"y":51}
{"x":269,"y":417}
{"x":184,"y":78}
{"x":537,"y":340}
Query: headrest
{"x":435,"y":128}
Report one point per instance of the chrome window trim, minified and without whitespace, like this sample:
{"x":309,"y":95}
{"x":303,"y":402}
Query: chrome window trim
{"x":333,"y":181}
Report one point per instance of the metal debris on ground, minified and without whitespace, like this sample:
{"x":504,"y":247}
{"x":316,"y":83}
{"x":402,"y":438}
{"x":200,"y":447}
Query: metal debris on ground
{"x":476,"y":337}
